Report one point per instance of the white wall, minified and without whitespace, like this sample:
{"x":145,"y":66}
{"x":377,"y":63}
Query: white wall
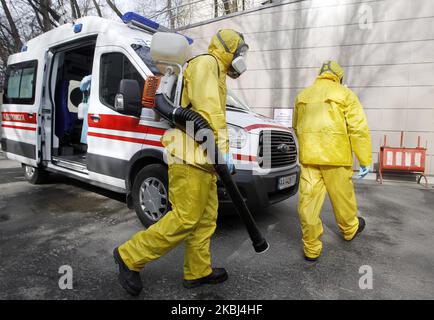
{"x":390,"y":66}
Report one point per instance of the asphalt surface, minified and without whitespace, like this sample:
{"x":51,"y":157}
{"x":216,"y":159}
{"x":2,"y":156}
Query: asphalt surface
{"x":66,"y":222}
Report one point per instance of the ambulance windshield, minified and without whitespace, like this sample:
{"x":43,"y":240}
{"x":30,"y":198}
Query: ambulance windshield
{"x":144,"y":52}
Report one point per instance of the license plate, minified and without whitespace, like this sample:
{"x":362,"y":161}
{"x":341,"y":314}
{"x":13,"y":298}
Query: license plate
{"x":286,"y":182}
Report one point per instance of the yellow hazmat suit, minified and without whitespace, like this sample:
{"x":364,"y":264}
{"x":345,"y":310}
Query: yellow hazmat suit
{"x":192,"y":184}
{"x":330,"y":124}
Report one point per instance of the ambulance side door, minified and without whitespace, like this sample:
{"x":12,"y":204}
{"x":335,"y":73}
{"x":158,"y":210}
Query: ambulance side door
{"x":113,"y":138}
{"x":21,"y":132}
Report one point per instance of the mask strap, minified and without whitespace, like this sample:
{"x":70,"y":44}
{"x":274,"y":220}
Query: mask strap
{"x":328,"y":67}
{"x":222,"y":42}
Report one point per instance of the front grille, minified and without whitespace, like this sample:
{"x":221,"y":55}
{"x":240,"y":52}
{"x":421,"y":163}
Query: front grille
{"x":276,"y":149}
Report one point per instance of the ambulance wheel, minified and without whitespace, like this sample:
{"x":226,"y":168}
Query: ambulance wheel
{"x":35,"y":175}
{"x":150,"y":194}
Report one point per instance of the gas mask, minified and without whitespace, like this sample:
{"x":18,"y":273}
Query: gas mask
{"x":238,"y":64}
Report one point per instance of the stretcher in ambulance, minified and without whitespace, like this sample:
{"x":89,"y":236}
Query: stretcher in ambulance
{"x":72,"y":105}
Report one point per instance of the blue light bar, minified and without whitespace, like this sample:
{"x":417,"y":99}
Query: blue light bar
{"x":144,"y":23}
{"x":132,"y":17}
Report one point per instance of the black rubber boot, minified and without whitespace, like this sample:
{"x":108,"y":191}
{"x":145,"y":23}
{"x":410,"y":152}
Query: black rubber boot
{"x":362,"y":225}
{"x":310,"y":259}
{"x":218,"y":275}
{"x":129,"y":280}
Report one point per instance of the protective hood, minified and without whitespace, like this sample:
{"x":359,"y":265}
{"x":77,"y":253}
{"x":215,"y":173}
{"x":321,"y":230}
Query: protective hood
{"x":331,"y":70}
{"x":216,"y":48}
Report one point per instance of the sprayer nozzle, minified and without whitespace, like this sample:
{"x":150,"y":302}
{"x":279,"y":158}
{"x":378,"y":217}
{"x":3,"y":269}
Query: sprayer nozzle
{"x":261,"y":247}
{"x":149,"y":91}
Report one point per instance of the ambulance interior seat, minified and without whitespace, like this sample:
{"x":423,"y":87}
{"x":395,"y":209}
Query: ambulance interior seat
{"x":75,"y":65}
{"x":65,"y":120}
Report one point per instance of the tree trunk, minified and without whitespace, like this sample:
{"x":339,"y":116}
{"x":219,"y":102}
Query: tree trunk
{"x":41,"y":5}
{"x":73,"y":13}
{"x":234,"y":6}
{"x":227,"y":6}
{"x":13,"y":27}
{"x":36,"y":10}
{"x":114,"y":8}
{"x":170,"y":14}
{"x":74,"y":4}
{"x":41,"y":8}
{"x":46,"y":22}
{"x":97,"y":7}
{"x":216,"y":8}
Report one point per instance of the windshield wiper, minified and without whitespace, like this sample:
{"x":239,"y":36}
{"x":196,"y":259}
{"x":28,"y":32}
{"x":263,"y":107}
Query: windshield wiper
{"x":238,"y":109}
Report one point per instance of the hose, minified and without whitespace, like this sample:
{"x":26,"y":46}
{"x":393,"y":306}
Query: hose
{"x":179,"y":117}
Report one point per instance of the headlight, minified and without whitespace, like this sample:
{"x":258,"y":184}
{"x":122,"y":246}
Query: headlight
{"x":237,"y":137}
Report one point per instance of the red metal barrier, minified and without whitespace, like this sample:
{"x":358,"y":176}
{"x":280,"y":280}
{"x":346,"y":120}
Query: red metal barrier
{"x":402,"y":159}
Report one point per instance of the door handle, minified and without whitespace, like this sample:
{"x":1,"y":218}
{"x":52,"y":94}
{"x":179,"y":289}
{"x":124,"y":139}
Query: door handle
{"x":95,"y":118}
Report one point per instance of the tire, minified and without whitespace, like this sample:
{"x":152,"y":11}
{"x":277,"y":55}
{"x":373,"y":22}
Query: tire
{"x":150,"y":194}
{"x":35,"y":175}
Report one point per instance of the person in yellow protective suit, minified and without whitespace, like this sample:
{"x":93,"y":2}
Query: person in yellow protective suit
{"x":192,"y":182}
{"x":330,"y":125}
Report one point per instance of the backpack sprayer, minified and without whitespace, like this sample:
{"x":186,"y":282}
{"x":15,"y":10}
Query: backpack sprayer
{"x":170,"y":52}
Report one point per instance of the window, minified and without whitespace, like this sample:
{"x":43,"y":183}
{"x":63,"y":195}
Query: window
{"x":115,"y":67}
{"x":20,"y":83}
{"x":144,"y":52}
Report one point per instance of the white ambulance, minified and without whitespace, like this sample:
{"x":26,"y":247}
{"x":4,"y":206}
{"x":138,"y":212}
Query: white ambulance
{"x":116,"y":144}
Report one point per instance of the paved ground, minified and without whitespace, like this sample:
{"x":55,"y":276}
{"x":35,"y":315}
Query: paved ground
{"x":66,"y":222}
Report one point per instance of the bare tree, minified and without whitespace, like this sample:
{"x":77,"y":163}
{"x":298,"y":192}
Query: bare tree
{"x":97,"y":7}
{"x":13,"y":30}
{"x":216,"y":8}
{"x":114,"y":8}
{"x":73,"y":12}
{"x":170,"y":14}
{"x":44,"y":8}
{"x":6,"y":48}
{"x":21,"y":20}
{"x":46,"y":21}
{"x":46,"y":16}
{"x":227,"y":6}
{"x":230,"y":6}
{"x":37,"y":17}
{"x":234,"y":5}
{"x":75,"y":9}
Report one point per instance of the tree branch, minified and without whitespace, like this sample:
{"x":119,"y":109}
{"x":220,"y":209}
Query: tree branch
{"x":114,"y":8}
{"x":77,"y":8}
{"x":13,"y":27}
{"x":97,"y":7}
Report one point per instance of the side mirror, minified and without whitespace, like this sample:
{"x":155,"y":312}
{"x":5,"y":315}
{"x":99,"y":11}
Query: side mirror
{"x":128,"y":99}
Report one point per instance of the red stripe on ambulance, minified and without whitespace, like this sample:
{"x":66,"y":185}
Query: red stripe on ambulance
{"x":20,"y":117}
{"x":126,"y":139}
{"x":242,"y":157}
{"x":122,"y":123}
{"x":18,"y":127}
